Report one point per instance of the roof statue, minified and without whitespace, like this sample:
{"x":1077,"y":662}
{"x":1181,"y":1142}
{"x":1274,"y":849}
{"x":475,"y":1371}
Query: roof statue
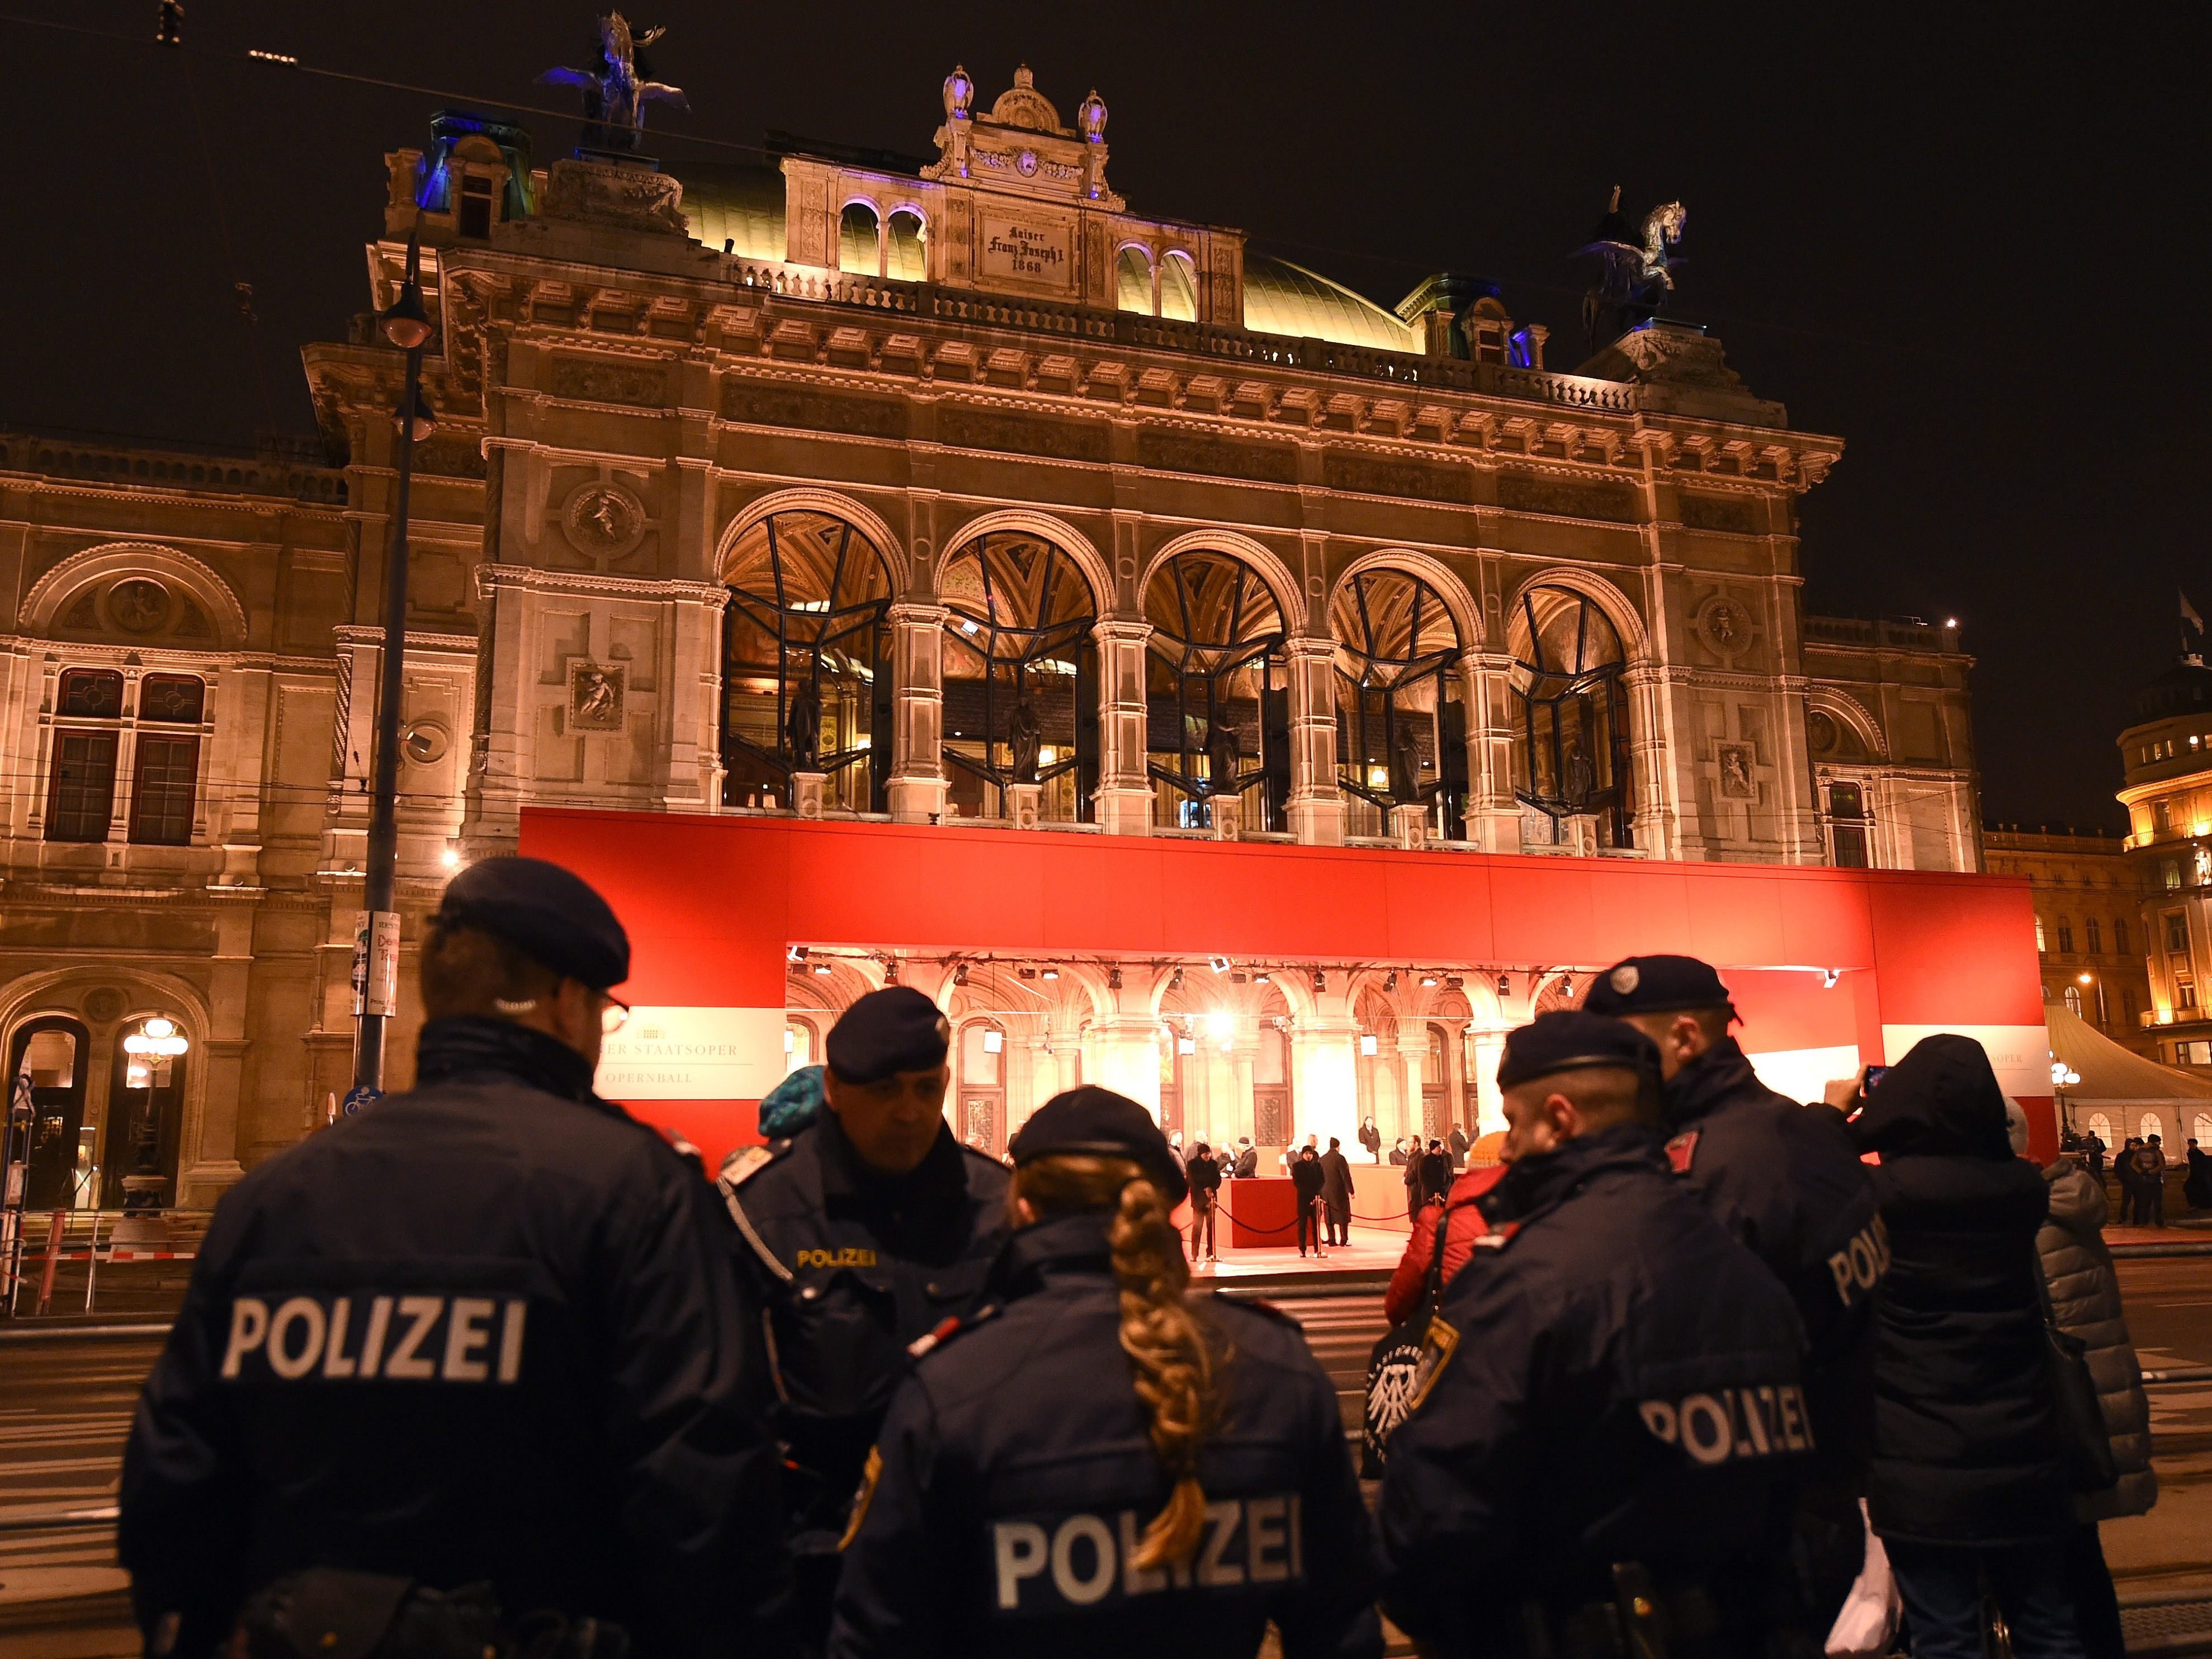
{"x":959,"y":93}
{"x":1636,"y":268}
{"x":614,"y":97}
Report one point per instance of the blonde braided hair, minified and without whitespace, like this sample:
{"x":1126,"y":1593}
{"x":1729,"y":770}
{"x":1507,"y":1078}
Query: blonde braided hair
{"x":1175,"y":1354}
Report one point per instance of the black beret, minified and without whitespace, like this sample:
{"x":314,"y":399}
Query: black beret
{"x":552,"y":915}
{"x":1569,"y":1039}
{"x":1655,"y":985}
{"x":1099,"y":1123}
{"x":886,"y":1032}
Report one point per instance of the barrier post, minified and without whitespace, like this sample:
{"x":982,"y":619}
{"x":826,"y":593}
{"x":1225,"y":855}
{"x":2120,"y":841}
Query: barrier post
{"x":92,"y":1259}
{"x":53,"y":1259}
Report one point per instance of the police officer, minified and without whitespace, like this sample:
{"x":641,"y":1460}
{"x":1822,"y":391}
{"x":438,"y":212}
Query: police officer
{"x":484,"y":1332}
{"x":1788,"y":1183}
{"x":1608,"y":1409}
{"x":864,"y":1232}
{"x":1093,"y":1465}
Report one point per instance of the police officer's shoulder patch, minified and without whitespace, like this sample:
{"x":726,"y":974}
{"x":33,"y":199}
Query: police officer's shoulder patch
{"x":748,"y":1161}
{"x":1682,"y":1150}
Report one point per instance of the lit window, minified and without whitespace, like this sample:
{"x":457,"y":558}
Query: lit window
{"x":2065,"y":937}
{"x":2074,"y":1000}
{"x":2039,"y":945}
{"x":80,"y":787}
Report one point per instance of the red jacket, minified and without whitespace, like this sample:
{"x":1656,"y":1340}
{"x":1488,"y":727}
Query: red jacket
{"x":1463,"y":1224}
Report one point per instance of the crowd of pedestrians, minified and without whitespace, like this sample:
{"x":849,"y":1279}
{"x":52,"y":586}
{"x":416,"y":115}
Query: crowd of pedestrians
{"x":1691,"y":1372}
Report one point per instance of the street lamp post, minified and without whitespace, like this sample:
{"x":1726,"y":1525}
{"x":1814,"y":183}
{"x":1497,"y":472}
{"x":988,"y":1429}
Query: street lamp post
{"x":407,"y":326}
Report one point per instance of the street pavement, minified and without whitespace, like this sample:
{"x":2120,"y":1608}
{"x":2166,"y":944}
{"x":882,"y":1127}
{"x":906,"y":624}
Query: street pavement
{"x":66,"y":1399}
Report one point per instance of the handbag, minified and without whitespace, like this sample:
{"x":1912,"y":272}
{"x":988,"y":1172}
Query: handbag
{"x":1394,"y":1366}
{"x":1867,"y":1626}
{"x":2085,"y":1445}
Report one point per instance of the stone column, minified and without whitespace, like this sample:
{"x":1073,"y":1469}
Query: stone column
{"x":1125,"y":793}
{"x":1324,"y":1064}
{"x":1657,"y":829}
{"x":209,"y":1164}
{"x":1026,"y":1075}
{"x":1125,"y":1057}
{"x":1493,"y":816}
{"x":1487,"y":1046}
{"x":1316,"y":804}
{"x":917,"y":786}
{"x":1413,"y":1056}
{"x":1242,"y":1114}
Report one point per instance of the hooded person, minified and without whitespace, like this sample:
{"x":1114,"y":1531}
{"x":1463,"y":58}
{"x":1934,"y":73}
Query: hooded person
{"x":1967,"y":1480}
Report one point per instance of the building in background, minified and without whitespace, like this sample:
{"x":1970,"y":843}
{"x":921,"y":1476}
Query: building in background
{"x":2089,"y":931}
{"x":2165,"y":753}
{"x":955,"y":493}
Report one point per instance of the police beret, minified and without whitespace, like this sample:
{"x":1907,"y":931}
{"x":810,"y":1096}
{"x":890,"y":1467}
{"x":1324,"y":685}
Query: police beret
{"x":1569,"y":1039}
{"x":886,"y":1032}
{"x":1098,"y":1123}
{"x":1655,"y":985}
{"x":552,"y":915}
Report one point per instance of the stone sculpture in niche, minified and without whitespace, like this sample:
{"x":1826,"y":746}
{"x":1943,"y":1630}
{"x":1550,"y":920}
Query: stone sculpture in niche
{"x":1026,"y":736}
{"x":1736,"y":761}
{"x":1405,"y":765}
{"x":595,"y":696}
{"x":139,"y":605}
{"x":603,"y":521}
{"x":802,"y":725}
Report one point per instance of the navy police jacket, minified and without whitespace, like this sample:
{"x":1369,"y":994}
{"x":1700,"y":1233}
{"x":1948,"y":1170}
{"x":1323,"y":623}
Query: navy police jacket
{"x":1015,"y":1476}
{"x":1610,"y":1378}
{"x":485,"y":1331}
{"x":1788,"y":1183}
{"x":854,"y":1267}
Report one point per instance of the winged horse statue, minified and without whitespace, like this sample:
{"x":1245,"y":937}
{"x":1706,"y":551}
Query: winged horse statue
{"x":614,"y":98}
{"x":1635,"y":275}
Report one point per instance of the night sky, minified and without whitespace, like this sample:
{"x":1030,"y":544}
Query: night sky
{"x":1971,"y":241}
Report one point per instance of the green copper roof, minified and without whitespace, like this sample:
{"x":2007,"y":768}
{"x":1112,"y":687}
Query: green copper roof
{"x":736,"y":204}
{"x":1281,"y":298}
{"x":744,"y":205}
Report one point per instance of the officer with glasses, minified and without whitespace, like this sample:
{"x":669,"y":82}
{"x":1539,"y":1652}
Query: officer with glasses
{"x":472,"y":1367}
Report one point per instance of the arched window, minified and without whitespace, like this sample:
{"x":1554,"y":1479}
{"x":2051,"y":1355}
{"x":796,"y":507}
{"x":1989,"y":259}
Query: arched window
{"x":807,"y":676}
{"x":1021,"y":677}
{"x":1216,"y":692}
{"x":47,"y":1060}
{"x":2072,"y":995}
{"x":1572,"y":756}
{"x":1847,"y":826}
{"x":2148,"y":1125}
{"x":1178,"y":289}
{"x":859,"y":245}
{"x":905,"y":255}
{"x":2101,"y":1127}
{"x":1133,"y":281}
{"x":2201,"y":1130}
{"x":165,"y":777}
{"x":1400,"y":727}
{"x":2065,"y":936}
{"x":981,"y":1084}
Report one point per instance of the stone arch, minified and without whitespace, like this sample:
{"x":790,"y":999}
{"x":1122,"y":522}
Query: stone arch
{"x":1265,"y":561}
{"x":868,"y":522}
{"x":1096,"y":573}
{"x":1840,"y":705}
{"x":1459,"y":602}
{"x":80,"y":570}
{"x":1619,"y":608}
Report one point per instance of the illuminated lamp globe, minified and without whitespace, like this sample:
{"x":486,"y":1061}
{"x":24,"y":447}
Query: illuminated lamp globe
{"x":159,"y":1027}
{"x":407,"y":326}
{"x":424,"y":421}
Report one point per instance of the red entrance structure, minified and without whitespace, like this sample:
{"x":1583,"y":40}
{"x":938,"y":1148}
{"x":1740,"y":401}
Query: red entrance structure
{"x":1819,"y":959}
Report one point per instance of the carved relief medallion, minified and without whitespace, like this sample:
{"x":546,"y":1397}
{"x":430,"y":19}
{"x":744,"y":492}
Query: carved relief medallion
{"x":1725,"y":624}
{"x":603,"y":520}
{"x":1737,"y":761}
{"x":595,"y":696}
{"x":140,"y":605}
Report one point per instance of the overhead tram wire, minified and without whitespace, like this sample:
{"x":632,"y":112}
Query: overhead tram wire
{"x":665,"y":136}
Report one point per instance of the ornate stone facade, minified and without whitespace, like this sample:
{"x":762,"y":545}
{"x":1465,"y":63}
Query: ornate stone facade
{"x":911,"y":481}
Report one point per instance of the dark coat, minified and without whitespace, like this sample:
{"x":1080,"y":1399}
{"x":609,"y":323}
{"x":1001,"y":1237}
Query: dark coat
{"x":1966,"y":1448}
{"x":526,"y":1362}
{"x":1335,"y":1179}
{"x":1203,"y":1173}
{"x":1589,"y":1407}
{"x":1307,"y":1176}
{"x":1248,"y":1163}
{"x":2084,"y":1293}
{"x":2197,"y":1189}
{"x":1435,"y":1175}
{"x":1016,"y":1467}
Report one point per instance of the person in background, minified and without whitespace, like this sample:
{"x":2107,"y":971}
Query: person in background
{"x":1336,"y":1192}
{"x":1459,"y":1143}
{"x":1290,"y":1155}
{"x":2150,"y":1183}
{"x":1967,"y":1484}
{"x":2124,"y":1175}
{"x":2092,"y":1148}
{"x":1435,"y":1173}
{"x":1204,"y":1174}
{"x":1371,"y":1139}
{"x":1248,"y":1158}
{"x":1306,"y":1180}
{"x":1098,"y":1463}
{"x":1398,"y":1151}
{"x":2084,"y":1298}
{"x":2197,"y":1188}
{"x":1411,"y":1158}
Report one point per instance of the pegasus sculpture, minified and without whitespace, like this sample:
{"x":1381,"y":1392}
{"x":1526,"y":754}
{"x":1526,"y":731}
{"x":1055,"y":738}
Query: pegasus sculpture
{"x":1636,"y":271}
{"x":614,"y":98}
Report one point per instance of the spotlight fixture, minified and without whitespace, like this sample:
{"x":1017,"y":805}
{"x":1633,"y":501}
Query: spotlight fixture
{"x":794,"y":953}
{"x":1453,"y":982}
{"x":1175,"y":983}
{"x":1829,"y":976}
{"x":891,"y":971}
{"x":1262,"y":978}
{"x":822,"y":969}
{"x":995,"y":1040}
{"x":1504,"y":986}
{"x":959,"y":973}
{"x":1567,"y":984}
{"x":1052,"y":973}
{"x":1237,"y":979}
{"x":1113,"y":979}
{"x":1025,"y":972}
{"x":1428,"y":979}
{"x":1220,"y":964}
{"x":1320,"y":980}
{"x":1390,"y":980}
